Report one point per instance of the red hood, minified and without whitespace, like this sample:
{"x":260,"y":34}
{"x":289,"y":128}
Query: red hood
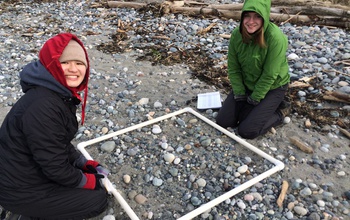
{"x":49,"y":56}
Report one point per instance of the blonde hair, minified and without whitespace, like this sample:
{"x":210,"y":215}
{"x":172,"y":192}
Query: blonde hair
{"x":257,"y":37}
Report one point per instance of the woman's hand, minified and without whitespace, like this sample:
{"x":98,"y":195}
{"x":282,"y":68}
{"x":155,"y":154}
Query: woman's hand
{"x":252,"y":101}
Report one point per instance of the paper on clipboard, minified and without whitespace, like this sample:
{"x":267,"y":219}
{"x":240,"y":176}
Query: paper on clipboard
{"x":209,"y":100}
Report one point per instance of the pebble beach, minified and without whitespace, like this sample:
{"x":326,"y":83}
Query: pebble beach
{"x":170,"y":168}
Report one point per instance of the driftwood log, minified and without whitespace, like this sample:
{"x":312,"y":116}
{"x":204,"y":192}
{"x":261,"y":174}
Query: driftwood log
{"x":312,"y":10}
{"x":301,"y":145}
{"x":117,"y":4}
{"x":337,"y":96}
{"x":345,"y":132}
{"x":294,"y":11}
{"x":283,"y":193}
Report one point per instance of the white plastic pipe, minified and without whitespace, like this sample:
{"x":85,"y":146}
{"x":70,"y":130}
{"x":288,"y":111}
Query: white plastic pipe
{"x":238,"y":139}
{"x":109,"y":187}
{"x":134,"y":127}
{"x":228,"y":195}
{"x":278,"y":164}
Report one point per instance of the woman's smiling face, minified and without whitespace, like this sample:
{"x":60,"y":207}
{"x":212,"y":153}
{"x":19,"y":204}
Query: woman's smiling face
{"x":252,"y":21}
{"x":74,"y":72}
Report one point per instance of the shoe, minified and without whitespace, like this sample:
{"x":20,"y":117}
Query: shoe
{"x":3,"y":214}
{"x":21,"y":217}
{"x":12,"y":216}
{"x":285,"y":112}
{"x":284,"y":104}
{"x":285,"y":108}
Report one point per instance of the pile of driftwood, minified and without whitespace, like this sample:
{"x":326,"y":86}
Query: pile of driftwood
{"x":330,"y":95}
{"x":301,"y":12}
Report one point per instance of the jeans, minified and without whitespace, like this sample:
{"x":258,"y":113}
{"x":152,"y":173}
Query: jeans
{"x":252,"y":121}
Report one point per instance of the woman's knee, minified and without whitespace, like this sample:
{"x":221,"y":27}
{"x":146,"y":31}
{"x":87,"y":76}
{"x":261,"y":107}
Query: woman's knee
{"x":99,"y":203}
{"x":226,"y":120}
{"x":101,"y":199}
{"x":247,"y":132}
{"x":220,"y":121}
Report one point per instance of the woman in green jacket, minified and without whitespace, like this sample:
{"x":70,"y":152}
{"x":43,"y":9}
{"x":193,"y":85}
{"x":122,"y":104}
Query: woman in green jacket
{"x":258,"y":72}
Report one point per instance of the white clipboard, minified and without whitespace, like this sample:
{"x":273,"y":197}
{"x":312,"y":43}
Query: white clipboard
{"x":211,"y":100}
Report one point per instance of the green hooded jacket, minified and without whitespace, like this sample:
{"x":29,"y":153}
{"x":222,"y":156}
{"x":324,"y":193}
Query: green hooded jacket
{"x":254,"y":70}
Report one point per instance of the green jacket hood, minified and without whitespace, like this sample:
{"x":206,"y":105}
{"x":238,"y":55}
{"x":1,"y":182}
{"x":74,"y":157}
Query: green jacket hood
{"x":262,"y":7}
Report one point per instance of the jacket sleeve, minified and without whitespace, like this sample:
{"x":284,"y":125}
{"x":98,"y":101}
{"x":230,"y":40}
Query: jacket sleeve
{"x":274,"y":60}
{"x":233,"y":66}
{"x":75,"y":157}
{"x":45,"y":129}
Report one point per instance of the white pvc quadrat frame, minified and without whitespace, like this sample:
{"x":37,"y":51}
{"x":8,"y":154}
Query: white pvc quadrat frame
{"x":110,"y":188}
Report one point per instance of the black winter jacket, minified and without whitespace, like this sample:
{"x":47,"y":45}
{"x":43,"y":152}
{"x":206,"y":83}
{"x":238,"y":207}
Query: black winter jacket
{"x":36,"y":154}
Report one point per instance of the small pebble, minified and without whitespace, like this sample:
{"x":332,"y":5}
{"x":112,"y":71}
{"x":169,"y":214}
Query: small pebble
{"x":126,"y":178}
{"x":140,"y":199}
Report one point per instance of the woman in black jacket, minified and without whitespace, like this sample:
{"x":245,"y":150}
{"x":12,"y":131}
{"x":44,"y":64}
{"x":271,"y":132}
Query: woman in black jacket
{"x":42,"y":175}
